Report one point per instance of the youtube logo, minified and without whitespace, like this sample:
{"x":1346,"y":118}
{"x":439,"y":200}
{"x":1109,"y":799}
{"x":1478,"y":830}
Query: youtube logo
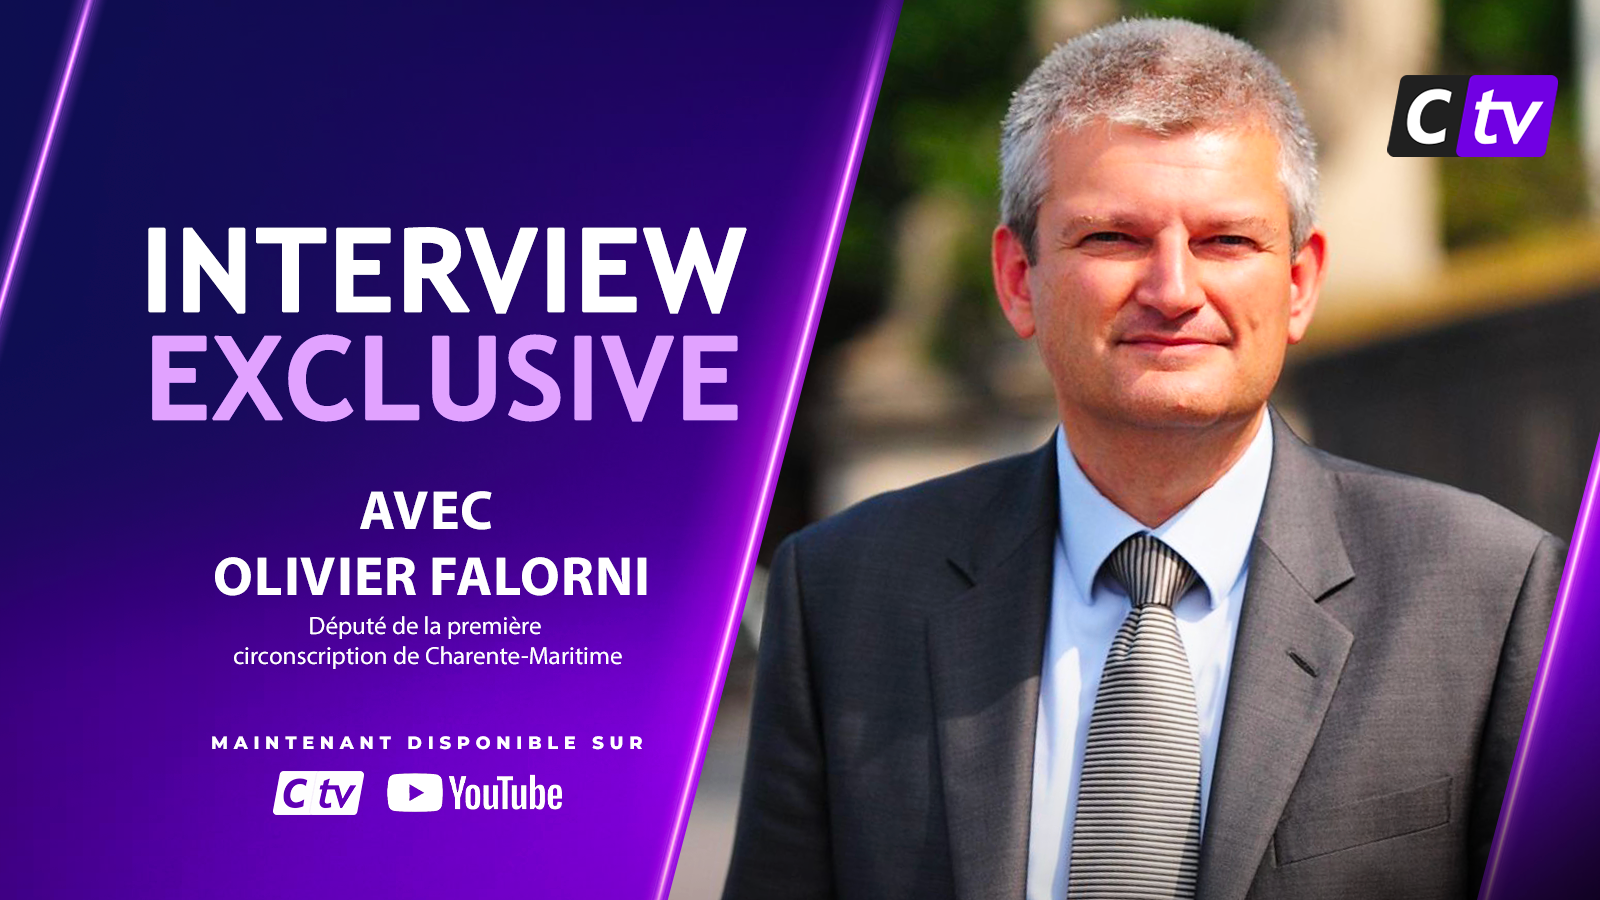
{"x":414,"y":792}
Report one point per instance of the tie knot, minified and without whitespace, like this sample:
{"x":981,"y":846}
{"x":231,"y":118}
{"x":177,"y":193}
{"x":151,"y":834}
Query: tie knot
{"x":1150,"y":571}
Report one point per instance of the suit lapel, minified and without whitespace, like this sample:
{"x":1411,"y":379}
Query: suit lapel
{"x":1287,"y":660}
{"x":986,"y":650}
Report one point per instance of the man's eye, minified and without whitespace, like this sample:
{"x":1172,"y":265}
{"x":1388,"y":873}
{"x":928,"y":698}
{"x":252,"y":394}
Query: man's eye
{"x":1106,"y":237}
{"x":1233,"y":240}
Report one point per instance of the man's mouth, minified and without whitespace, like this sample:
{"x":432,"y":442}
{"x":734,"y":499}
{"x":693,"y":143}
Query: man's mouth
{"x":1157,"y":341}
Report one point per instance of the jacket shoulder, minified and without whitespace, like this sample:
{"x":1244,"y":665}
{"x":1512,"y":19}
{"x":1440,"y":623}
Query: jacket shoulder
{"x":1411,"y":510}
{"x":929,"y":514}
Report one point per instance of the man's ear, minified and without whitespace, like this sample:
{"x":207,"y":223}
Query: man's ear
{"x":1010,"y":263}
{"x":1306,"y":272}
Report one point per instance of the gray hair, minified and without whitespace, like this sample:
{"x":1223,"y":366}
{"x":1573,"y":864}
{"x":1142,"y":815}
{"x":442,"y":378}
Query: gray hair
{"x":1165,"y":76}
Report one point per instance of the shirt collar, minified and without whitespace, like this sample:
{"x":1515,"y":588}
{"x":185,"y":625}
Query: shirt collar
{"x":1213,"y":533}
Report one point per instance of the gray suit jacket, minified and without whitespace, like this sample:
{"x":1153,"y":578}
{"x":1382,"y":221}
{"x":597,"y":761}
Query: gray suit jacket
{"x":1387,"y":646}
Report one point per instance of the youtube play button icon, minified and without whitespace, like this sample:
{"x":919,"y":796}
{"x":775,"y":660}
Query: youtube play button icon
{"x":415,"y":792}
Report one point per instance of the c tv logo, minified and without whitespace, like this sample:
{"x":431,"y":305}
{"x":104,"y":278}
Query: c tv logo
{"x":1477,"y":115}
{"x":317,"y":794}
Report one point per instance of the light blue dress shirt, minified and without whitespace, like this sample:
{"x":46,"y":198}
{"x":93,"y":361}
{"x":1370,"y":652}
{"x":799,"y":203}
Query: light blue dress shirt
{"x":1213,"y":534}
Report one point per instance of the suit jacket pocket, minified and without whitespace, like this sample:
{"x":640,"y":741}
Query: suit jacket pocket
{"x":1319,"y":832}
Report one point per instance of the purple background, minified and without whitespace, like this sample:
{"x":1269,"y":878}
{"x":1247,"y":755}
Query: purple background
{"x":117,"y":667}
{"x":1522,"y":91}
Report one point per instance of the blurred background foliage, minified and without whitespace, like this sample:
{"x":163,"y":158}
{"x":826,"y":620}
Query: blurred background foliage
{"x":936,"y":131}
{"x":1488,"y":200}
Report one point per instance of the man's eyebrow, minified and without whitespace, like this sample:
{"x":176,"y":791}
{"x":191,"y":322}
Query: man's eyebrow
{"x":1087,"y":224}
{"x":1244,"y":223}
{"x":1117,"y":222}
{"x":1114,"y":223}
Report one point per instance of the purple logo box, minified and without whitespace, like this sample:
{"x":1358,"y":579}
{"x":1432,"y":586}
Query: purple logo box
{"x":1507,"y":115}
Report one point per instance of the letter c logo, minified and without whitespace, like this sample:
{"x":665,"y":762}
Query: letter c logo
{"x":1414,"y":116}
{"x":288,"y":789}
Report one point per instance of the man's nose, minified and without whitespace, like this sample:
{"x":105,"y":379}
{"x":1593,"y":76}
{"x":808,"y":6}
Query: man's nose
{"x":1168,"y":284}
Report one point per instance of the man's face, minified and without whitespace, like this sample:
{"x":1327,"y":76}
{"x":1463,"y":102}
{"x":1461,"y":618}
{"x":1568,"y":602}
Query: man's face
{"x":1165,"y":287}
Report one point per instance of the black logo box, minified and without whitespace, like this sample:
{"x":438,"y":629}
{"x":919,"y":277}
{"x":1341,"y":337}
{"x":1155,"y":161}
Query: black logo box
{"x":1437,"y":115}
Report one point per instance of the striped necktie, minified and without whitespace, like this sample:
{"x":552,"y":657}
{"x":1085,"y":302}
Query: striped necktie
{"x":1137,"y":830}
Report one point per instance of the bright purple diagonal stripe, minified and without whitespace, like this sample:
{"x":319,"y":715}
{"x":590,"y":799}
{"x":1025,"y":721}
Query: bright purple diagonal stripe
{"x":1547,"y":827}
{"x":826,"y":251}
{"x":46,"y":147}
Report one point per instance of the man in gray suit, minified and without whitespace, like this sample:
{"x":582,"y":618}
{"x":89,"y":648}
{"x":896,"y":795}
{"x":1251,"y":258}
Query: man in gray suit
{"x":1175,"y":652}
